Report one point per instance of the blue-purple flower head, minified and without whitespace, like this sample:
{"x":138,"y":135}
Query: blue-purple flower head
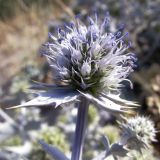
{"x":137,"y":133}
{"x":88,"y":61}
{"x":90,"y":58}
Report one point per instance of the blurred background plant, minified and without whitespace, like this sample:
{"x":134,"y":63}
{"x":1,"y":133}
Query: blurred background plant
{"x":24,"y":26}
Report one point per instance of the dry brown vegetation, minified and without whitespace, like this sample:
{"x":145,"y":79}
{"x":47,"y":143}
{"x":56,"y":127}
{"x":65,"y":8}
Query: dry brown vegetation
{"x":22,"y":35}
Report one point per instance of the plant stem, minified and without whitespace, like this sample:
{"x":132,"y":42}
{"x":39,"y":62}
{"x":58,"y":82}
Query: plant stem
{"x":80,"y":129}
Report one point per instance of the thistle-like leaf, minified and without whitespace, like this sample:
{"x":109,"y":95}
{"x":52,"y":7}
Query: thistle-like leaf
{"x":107,"y":104}
{"x":53,"y":97}
{"x":106,"y":143}
{"x":117,"y":99}
{"x":117,"y":150}
{"x":53,"y":151}
{"x":44,"y":86}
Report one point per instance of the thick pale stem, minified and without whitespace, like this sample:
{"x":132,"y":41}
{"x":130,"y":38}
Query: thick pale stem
{"x":80,"y":129}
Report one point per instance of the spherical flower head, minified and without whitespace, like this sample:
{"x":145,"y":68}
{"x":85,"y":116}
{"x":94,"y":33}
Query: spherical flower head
{"x":138,"y":132}
{"x":90,"y":58}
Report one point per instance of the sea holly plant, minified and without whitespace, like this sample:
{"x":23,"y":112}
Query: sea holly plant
{"x":137,"y":133}
{"x":89,"y":64}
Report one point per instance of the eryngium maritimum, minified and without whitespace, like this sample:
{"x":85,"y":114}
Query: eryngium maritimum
{"x":87,"y":61}
{"x":88,"y":58}
{"x":137,"y":133}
